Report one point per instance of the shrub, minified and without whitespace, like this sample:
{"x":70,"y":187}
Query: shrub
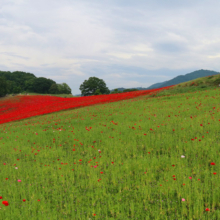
{"x":217,"y":81}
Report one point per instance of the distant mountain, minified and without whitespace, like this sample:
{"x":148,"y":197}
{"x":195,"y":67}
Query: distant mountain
{"x":154,"y":86}
{"x":179,"y":79}
{"x":184,"y":78}
{"x":119,"y":89}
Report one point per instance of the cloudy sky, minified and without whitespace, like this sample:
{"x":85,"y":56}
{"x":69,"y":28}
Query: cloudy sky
{"x":127,"y":43}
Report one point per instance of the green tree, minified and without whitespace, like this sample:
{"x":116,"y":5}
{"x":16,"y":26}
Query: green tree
{"x":4,"y":89}
{"x":64,"y":88}
{"x":115,"y":91}
{"x":89,"y":87}
{"x":130,"y":90}
{"x":53,"y":89}
{"x":97,"y":92}
{"x":42,"y":85}
{"x":60,"y":88}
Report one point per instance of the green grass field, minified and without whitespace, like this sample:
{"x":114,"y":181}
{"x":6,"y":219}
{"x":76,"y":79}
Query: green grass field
{"x":152,"y":157}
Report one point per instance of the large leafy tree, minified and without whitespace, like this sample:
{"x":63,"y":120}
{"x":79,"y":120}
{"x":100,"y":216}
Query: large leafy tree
{"x":42,"y":85}
{"x":90,"y":87}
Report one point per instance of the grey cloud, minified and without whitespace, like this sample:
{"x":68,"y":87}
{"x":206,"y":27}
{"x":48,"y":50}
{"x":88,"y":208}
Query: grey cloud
{"x":14,"y":55}
{"x":125,"y":43}
{"x":170,"y":47}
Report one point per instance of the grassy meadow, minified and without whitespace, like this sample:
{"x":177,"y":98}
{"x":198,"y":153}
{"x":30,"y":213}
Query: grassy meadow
{"x":151,"y":157}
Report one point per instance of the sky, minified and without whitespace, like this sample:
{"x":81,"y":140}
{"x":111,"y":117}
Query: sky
{"x":126,"y":43}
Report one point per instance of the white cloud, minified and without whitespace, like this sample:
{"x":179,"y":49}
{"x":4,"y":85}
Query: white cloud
{"x":213,"y":57}
{"x":126,"y":43}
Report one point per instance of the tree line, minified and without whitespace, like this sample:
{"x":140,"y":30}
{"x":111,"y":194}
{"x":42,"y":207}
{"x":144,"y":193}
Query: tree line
{"x":20,"y":82}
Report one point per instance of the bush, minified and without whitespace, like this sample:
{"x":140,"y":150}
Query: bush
{"x":217,"y":81}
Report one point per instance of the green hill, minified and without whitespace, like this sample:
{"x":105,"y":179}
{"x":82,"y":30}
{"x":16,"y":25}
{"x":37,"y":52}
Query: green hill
{"x":187,"y":77}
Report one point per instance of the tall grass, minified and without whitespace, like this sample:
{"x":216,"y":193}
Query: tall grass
{"x":144,"y":158}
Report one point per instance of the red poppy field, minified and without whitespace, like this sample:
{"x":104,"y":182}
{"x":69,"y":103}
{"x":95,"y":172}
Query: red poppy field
{"x":22,"y":107}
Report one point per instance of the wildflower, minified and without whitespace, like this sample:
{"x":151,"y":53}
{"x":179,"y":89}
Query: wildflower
{"x":5,"y":203}
{"x":183,"y":199}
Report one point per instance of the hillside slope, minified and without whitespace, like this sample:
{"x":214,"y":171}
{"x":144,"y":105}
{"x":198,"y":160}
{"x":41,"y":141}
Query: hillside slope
{"x":190,"y":76}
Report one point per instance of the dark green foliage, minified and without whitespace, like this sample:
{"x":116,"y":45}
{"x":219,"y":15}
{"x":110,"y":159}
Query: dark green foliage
{"x":16,"y":89}
{"x":53,"y":89}
{"x":29,"y":85}
{"x":42,"y":85}
{"x":130,"y":90}
{"x":97,"y":92}
{"x":64,"y":88}
{"x":217,"y":81}
{"x":16,"y":79}
{"x":89,"y":87}
{"x":199,"y":82}
{"x":123,"y":90}
{"x":3,"y":87}
{"x":19,"y":82}
{"x":116,"y":91}
{"x":204,"y":86}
